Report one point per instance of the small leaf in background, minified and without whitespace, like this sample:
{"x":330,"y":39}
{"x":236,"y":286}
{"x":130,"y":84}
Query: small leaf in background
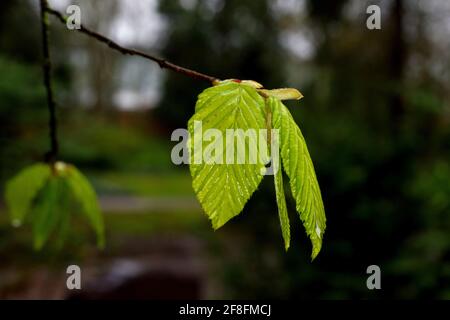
{"x":223,"y":189}
{"x":299,"y":167}
{"x":43,"y":192}
{"x":85,"y":194}
{"x":46,"y":213}
{"x":22,"y":189}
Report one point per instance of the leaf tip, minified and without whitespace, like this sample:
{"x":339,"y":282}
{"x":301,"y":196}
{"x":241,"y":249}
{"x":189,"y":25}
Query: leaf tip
{"x":101,"y":243}
{"x":315,"y":251}
{"x":217,"y":224}
{"x":100,"y":233}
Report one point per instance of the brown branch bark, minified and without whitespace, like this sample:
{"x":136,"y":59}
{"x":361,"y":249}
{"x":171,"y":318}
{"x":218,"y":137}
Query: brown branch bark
{"x":53,"y":153}
{"x":126,"y":51}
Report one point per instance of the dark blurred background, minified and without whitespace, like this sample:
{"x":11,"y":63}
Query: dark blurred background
{"x":376,"y":117}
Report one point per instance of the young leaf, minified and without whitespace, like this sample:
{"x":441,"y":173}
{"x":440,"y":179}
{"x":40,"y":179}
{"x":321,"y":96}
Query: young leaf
{"x":64,"y":223}
{"x":300,"y":170}
{"x":46,"y":213}
{"x":87,"y":198}
{"x":282,"y":93}
{"x":282,"y":208}
{"x":223,"y":189}
{"x":278,"y":180}
{"x":23,"y":188}
{"x":252,"y":83}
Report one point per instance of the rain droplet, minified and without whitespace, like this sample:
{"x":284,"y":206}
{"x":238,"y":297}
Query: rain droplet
{"x":16,"y":223}
{"x":318,"y":231}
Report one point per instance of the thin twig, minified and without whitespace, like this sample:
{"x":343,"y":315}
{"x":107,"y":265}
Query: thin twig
{"x":126,"y":51}
{"x":53,"y":153}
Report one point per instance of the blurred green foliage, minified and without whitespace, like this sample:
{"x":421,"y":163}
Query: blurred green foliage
{"x":44,"y":194}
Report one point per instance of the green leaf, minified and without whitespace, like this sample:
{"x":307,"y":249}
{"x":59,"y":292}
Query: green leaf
{"x":278,"y":180}
{"x":299,"y":167}
{"x":46,"y":211}
{"x":23,"y":188}
{"x":46,"y":189}
{"x":223,"y":189}
{"x":282,"y":208}
{"x":86,"y":196}
{"x":64,"y":217}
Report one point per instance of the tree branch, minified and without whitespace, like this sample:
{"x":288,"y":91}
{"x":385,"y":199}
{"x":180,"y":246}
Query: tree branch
{"x":126,"y":51}
{"x":52,"y":154}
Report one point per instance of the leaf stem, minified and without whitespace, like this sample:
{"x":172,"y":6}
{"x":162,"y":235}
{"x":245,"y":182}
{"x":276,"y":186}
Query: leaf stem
{"x":268,"y":123}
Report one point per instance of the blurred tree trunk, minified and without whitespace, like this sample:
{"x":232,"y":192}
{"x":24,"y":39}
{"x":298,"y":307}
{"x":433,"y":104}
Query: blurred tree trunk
{"x":102,"y":60}
{"x":398,"y":56}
